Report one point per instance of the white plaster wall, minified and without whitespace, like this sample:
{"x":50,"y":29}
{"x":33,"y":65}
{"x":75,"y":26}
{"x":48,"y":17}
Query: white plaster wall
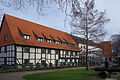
{"x":32,"y":50}
{"x":19,"y":48}
{"x":52,"y":56}
{"x":32,"y":56}
{"x":25,"y":55}
{"x":19,"y":55}
{"x":43,"y":55}
{"x":38,"y":56}
{"x":53,"y":61}
{"x":48,"y":56}
{"x":39,"y":50}
{"x":52,"y":51}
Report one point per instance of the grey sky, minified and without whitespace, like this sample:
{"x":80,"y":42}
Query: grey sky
{"x":55,"y":18}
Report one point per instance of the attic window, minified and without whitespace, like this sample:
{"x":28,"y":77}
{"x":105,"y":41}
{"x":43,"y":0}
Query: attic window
{"x":71,"y":45}
{"x":40,"y":39}
{"x":57,"y":42}
{"x":63,"y":43}
{"x":26,"y":36}
{"x":5,"y":38}
{"x":49,"y":41}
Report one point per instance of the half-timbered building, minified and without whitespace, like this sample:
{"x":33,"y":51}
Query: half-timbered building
{"x":22,"y":41}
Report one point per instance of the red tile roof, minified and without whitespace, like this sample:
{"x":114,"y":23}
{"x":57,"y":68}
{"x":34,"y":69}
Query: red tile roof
{"x":11,"y":26}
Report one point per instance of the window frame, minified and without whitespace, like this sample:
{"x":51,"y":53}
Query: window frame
{"x":57,"y":42}
{"x":5,"y":37}
{"x":26,"y":37}
{"x":63,"y":43}
{"x":39,"y":39}
{"x":26,"y":49}
{"x":49,"y":41}
{"x":49,"y":51}
{"x":57,"y":51}
{"x":43,"y":52}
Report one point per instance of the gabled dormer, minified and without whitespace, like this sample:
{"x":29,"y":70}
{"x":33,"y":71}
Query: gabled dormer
{"x":23,"y":35}
{"x":38,"y":36}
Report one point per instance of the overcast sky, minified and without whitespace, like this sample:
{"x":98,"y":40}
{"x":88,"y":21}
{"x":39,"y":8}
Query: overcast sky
{"x":55,"y":18}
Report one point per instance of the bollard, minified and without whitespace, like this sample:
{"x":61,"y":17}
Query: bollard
{"x":61,"y":64}
{"x":38,"y":65}
{"x":31,"y":66}
{"x":24,"y":66}
{"x":50,"y":65}
{"x":64,"y":64}
{"x":16,"y":66}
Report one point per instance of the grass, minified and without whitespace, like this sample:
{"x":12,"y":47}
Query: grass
{"x":79,"y":74}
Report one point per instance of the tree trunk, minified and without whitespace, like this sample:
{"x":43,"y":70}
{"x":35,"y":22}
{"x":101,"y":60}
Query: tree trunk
{"x":87,"y":59}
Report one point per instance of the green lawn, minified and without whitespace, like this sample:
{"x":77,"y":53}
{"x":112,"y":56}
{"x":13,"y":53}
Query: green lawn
{"x":79,"y":74}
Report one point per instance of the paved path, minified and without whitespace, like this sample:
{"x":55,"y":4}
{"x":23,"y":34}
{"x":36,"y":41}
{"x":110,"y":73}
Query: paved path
{"x":19,"y":75}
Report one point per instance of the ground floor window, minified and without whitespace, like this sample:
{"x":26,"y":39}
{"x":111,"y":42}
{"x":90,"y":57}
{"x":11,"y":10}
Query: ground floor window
{"x":43,"y":62}
{"x":26,"y":61}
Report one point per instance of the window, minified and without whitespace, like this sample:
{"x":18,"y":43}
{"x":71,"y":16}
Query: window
{"x":76,"y":54}
{"x":63,"y":43}
{"x":26,"y":61}
{"x":57,"y":42}
{"x":26,"y":49}
{"x":5,"y":38}
{"x":57,"y":52}
{"x":49,"y":41}
{"x":49,"y":51}
{"x":43,"y":62}
{"x":26,"y":36}
{"x":71,"y":53}
{"x":40,"y":39}
{"x":71,"y":45}
{"x":66,"y":52}
{"x":43,"y":51}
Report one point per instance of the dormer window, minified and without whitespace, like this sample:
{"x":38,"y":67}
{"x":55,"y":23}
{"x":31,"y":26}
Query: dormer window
{"x":63,"y":43}
{"x":49,"y":41}
{"x":5,"y":38}
{"x":26,"y":36}
{"x":57,"y":42}
{"x":40,"y":39}
{"x":71,"y":45}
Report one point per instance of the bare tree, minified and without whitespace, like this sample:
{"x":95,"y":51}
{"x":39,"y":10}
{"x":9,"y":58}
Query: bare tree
{"x":88,"y":22}
{"x":115,"y":43}
{"x":39,"y":5}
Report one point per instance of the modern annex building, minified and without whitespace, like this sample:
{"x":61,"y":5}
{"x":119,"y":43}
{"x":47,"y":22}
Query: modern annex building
{"x":95,"y":52}
{"x":26,"y":42}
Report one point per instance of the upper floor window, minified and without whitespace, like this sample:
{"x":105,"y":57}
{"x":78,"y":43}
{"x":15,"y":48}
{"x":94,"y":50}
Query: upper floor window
{"x":49,"y":41}
{"x":5,"y":38}
{"x":49,"y":51}
{"x":57,"y":42}
{"x":66,"y":52}
{"x":43,"y":51}
{"x":26,"y":49}
{"x":63,"y":43}
{"x":40,"y":39}
{"x":26,"y":36}
{"x":57,"y":51}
